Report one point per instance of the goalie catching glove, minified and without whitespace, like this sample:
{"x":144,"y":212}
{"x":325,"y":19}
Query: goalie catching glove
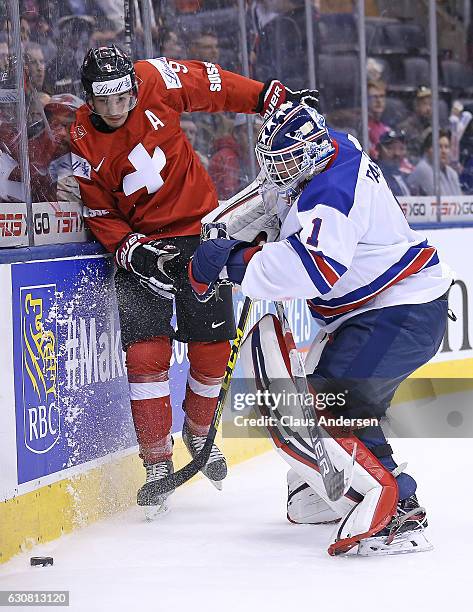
{"x":153,"y":261}
{"x":211,"y":257}
{"x":274,"y":93}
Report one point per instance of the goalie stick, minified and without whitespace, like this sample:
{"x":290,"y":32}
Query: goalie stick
{"x":172,"y":481}
{"x":336,"y":483}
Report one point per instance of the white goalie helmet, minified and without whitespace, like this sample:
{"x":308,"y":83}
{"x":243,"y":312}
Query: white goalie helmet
{"x":293,"y":145}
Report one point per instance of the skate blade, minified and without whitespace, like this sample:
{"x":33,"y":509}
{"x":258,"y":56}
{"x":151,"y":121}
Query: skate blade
{"x":218,"y":484}
{"x":407,"y":542}
{"x":153,"y":513}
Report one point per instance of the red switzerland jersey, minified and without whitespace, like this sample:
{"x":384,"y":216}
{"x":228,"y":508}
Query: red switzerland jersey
{"x":145,"y":177}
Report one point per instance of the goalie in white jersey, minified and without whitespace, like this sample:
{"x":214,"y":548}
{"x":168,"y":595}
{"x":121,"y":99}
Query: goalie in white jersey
{"x":372,"y":283}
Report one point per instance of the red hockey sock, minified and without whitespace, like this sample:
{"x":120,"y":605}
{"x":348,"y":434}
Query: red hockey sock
{"x":148,"y":376}
{"x":207,"y":367}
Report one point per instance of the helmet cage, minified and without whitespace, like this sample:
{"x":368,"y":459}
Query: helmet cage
{"x":287,"y":167}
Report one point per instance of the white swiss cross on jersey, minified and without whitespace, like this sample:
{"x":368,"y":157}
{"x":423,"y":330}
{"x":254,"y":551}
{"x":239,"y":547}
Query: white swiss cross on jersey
{"x":147,"y":170}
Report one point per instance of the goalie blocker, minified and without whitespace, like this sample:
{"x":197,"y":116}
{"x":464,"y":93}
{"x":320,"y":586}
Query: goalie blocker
{"x":367,"y":512}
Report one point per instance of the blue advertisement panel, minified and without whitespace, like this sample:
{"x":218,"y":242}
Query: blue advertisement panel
{"x":71,"y":391}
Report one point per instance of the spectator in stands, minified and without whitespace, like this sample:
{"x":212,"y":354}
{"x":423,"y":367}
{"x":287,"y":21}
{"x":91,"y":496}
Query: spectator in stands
{"x":4,"y":52}
{"x":374,"y":70}
{"x":35,"y":65}
{"x":459,"y":120}
{"x":190,"y":129}
{"x":466,"y":156}
{"x":230,"y":165}
{"x":49,"y":152}
{"x":281,"y":42}
{"x":417,"y":122}
{"x":113,"y":11}
{"x":421,"y":181}
{"x":203,"y":45}
{"x":391,"y":153}
{"x":36,"y":97}
{"x":25,"y":30}
{"x":74,"y":35}
{"x":41,"y":33}
{"x":224,"y":166}
{"x":376,"y":106}
{"x":169,"y":44}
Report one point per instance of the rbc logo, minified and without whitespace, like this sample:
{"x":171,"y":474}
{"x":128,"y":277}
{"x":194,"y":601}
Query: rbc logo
{"x":40,"y":368}
{"x":42,"y":423}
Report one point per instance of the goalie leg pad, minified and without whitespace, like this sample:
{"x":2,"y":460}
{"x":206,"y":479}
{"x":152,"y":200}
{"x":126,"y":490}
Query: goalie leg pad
{"x":371,"y":501}
{"x":304,"y":505}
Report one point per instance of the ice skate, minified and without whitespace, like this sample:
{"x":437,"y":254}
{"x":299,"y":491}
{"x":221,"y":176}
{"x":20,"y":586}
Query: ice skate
{"x":154,"y":503}
{"x":216,"y":467}
{"x":304,"y":505}
{"x":404,"y":533}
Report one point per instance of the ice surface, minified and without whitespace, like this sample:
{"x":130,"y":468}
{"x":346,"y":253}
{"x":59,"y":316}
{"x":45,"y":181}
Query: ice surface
{"x":234,"y":550}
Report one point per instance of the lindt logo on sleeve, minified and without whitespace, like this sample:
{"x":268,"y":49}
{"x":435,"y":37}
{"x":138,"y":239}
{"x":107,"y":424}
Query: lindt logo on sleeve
{"x":115,"y":86}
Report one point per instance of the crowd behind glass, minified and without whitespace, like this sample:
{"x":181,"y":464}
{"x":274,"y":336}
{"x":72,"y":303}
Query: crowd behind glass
{"x":55,"y":34}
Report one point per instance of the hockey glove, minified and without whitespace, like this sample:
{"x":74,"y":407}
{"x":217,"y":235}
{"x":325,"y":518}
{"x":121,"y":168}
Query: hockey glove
{"x":153,"y":261}
{"x":274,"y":93}
{"x":211,"y":257}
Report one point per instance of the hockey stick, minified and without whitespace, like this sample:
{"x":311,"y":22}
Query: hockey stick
{"x":199,"y":461}
{"x":336,"y":483}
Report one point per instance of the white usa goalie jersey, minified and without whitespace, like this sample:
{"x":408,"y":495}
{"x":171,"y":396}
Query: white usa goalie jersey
{"x":346,"y":246}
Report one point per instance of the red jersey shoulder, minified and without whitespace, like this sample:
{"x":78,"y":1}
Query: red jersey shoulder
{"x":81,"y":126}
{"x":158,"y":72}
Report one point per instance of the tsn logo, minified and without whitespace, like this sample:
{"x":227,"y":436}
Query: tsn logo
{"x":11,"y":224}
{"x":214,"y":76}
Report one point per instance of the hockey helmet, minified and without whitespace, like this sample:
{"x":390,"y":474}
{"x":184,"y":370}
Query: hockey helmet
{"x":106,"y":73}
{"x":293,"y":145}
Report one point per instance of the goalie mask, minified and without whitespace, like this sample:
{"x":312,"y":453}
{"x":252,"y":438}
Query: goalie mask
{"x":293,"y":145}
{"x":110,"y":82}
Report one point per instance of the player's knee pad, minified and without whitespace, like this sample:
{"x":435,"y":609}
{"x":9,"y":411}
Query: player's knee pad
{"x":148,"y":356}
{"x":208,"y":360}
{"x":207,"y":367}
{"x":148,"y":368}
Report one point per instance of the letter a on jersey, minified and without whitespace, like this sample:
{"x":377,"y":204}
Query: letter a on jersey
{"x":147,"y":170}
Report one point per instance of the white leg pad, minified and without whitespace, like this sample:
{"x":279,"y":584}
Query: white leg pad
{"x":304,"y":505}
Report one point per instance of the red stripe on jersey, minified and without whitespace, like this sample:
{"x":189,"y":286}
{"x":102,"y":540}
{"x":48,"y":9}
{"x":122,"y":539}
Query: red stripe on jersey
{"x":325,"y":269}
{"x":415,"y":266}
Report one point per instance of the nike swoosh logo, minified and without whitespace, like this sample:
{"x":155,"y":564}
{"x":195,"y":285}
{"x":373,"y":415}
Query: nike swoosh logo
{"x":215,"y":325}
{"x":99,"y":166}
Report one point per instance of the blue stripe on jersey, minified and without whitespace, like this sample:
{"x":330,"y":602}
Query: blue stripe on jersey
{"x":377,"y":284}
{"x":315,"y":276}
{"x":337,"y":266}
{"x":337,"y":187}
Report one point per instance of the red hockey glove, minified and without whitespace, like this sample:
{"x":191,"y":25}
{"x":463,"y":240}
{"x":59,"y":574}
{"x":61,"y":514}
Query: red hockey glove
{"x":153,"y":261}
{"x":274,"y":93}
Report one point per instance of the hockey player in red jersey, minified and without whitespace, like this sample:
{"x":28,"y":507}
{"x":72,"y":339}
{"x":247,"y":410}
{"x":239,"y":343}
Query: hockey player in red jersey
{"x":145,"y":191}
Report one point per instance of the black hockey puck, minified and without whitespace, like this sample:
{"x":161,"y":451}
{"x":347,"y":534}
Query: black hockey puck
{"x":43,"y":561}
